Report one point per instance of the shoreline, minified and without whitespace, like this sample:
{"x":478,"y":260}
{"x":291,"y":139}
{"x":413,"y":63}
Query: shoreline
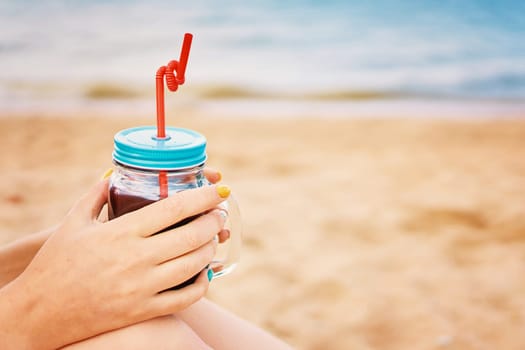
{"x":246,"y":108}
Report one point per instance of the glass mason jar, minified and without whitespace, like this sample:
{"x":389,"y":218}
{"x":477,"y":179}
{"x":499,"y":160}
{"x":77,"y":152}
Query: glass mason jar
{"x":148,"y":169}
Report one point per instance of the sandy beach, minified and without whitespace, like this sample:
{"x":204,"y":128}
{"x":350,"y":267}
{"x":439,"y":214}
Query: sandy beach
{"x":358,"y":233}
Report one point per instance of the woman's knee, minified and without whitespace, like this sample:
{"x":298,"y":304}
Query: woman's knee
{"x":167,"y":332}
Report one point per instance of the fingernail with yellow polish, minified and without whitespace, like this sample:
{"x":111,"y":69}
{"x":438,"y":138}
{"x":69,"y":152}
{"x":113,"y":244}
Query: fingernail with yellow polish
{"x":107,"y":174}
{"x":219,"y":176}
{"x":223,"y":191}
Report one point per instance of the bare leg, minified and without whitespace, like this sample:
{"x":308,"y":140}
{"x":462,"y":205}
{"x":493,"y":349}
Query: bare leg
{"x":223,"y":330}
{"x":201,"y":324}
{"x":15,"y":256}
{"x":162,"y":333}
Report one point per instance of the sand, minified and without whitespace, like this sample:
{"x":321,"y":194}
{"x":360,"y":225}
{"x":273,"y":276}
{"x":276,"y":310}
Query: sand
{"x":358,"y":234}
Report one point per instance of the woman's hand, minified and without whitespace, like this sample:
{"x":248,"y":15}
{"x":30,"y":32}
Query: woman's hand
{"x":15,"y":256}
{"x":91,"y":277}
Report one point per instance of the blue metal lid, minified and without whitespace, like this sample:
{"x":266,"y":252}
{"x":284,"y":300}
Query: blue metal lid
{"x":140,"y":148}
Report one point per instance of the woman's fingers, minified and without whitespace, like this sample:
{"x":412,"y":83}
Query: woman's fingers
{"x":177,"y":271}
{"x":170,"y":244}
{"x":212,"y":175}
{"x":172,"y":301}
{"x":157,"y":216}
{"x":89,"y":206}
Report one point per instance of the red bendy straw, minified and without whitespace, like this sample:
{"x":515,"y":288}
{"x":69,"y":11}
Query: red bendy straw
{"x":172,"y":81}
{"x":163,"y":184}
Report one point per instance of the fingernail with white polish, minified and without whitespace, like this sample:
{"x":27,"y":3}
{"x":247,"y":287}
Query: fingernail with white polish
{"x":223,"y":213}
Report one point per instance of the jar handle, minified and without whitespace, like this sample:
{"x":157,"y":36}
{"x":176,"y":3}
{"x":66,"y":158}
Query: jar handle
{"x":228,"y":253}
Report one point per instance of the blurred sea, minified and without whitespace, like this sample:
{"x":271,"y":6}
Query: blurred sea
{"x":332,"y":50}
